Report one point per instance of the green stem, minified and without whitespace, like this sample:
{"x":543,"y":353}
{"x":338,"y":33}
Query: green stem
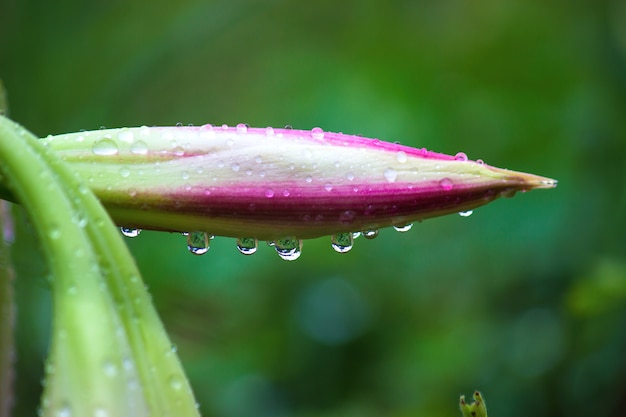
{"x":7,"y":316}
{"x":109,"y":349}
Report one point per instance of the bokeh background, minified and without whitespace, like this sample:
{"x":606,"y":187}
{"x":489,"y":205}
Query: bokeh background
{"x":524,"y":300}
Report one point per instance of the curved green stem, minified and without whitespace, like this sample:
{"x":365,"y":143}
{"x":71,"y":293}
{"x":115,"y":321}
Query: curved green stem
{"x":109,"y":353}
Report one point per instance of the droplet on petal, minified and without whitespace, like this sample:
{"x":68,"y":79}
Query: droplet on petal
{"x":390,"y":174}
{"x":461,"y":156}
{"x":105,"y":147}
{"x":466,"y":213}
{"x":446,"y":184}
{"x":317,"y":133}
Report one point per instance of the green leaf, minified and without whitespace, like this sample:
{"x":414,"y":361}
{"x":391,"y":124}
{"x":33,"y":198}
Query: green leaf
{"x":109,"y":354}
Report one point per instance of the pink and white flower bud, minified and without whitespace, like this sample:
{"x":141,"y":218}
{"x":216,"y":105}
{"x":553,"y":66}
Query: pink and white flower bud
{"x":272,"y":184}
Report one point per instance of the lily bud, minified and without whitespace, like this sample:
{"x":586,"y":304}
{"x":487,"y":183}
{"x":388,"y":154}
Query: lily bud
{"x":271,"y":184}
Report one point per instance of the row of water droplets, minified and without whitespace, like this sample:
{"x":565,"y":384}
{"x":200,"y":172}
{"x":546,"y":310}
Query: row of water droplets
{"x":289,"y":249}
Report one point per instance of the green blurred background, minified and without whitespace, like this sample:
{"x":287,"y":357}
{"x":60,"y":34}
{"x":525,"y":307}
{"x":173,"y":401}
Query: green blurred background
{"x":525,"y":299}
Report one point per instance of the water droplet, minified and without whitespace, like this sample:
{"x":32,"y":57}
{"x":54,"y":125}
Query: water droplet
{"x":105,"y":147}
{"x":54,"y":233}
{"x":370,"y":234}
{"x":356,"y":235}
{"x":328,"y":186}
{"x":258,"y":159}
{"x":139,"y":148}
{"x":317,"y":133}
{"x":350,"y":176}
{"x":63,"y":411}
{"x":130,"y":232}
{"x":286,"y":193}
{"x":466,"y":213}
{"x":100,"y":412}
{"x":346,"y":217}
{"x":309,"y":179}
{"x":342,"y":242}
{"x":445,"y":184}
{"x":401,"y":157}
{"x":404,"y":228}
{"x":242,"y":128}
{"x":109,"y":369}
{"x":269,"y":131}
{"x":288,"y":249}
{"x":247,"y":245}
{"x":235,"y":167}
{"x":390,"y":174}
{"x":178,"y":151}
{"x":125,"y":135}
{"x":198,"y":243}
{"x":269,"y":193}
{"x":480,"y":162}
{"x":124,"y":172}
{"x":175,"y":383}
{"x":461,"y":156}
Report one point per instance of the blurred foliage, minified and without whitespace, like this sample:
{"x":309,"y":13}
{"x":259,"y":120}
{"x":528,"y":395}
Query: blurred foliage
{"x":524,"y":300}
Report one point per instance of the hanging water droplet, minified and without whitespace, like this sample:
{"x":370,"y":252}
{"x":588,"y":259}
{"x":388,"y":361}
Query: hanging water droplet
{"x":124,"y":172}
{"x":105,"y":147}
{"x":288,"y":249}
{"x":356,"y":235}
{"x":247,"y":245}
{"x":445,"y":184}
{"x":308,"y":179}
{"x":130,"y":232}
{"x":269,"y":193}
{"x":461,"y":156}
{"x":198,"y":243}
{"x":390,"y":174}
{"x":342,"y":242}
{"x":242,"y":128}
{"x":328,"y":186}
{"x":350,"y":176}
{"x":317,"y":133}
{"x":235,"y":167}
{"x":480,"y":162}
{"x":269,"y":131}
{"x":466,"y":213}
{"x":370,"y":234}
{"x":404,"y":228}
{"x":401,"y":157}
